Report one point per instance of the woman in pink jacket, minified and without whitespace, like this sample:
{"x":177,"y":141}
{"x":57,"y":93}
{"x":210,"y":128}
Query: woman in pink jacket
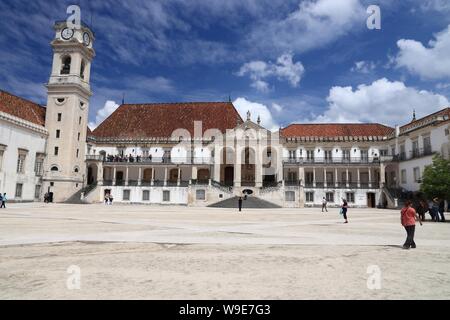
{"x":408,"y":219}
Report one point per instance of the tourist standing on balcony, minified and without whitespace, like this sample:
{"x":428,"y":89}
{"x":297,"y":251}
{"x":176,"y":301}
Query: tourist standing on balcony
{"x":441,"y":210}
{"x":240,"y":204}
{"x":324,"y":204}
{"x":344,"y":208}
{"x":408,"y":219}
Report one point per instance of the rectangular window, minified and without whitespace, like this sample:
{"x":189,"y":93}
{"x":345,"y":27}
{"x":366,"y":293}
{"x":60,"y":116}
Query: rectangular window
{"x":346,"y":154}
{"x":383,"y":152}
{"x":403,"y":176}
{"x":79,"y":120}
{"x":402,"y":152}
{"x":289,"y":195}
{"x":292,"y":154}
{"x":78,"y":152}
{"x":56,"y":151}
{"x":350,"y":197}
{"x":58,"y":134}
{"x":328,"y":155}
{"x":329,"y":196}
{"x":310,"y":155}
{"x":200,"y":195}
{"x":37,"y":191}
{"x":166,"y":195}
{"x":427,"y":145}
{"x":309,"y":196}
{"x":21,"y":163}
{"x":126,"y":195}
{"x":59,"y":117}
{"x":309,"y":176}
{"x":415,"y":148}
{"x":416,"y":174}
{"x":38,"y":166}
{"x":19,"y":187}
{"x":78,"y":138}
{"x":364,"y":155}
{"x":146,"y":195}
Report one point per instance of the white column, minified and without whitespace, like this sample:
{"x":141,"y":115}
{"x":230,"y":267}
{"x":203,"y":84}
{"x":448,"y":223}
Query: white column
{"x":126,"y":176}
{"x":301,"y":175}
{"x":258,"y":168}
{"x":237,"y":168}
{"x":179,"y":176}
{"x":347,"y":183}
{"x":165,"y":176}
{"x":216,"y":175}
{"x":194,"y":173}
{"x":314,"y":177}
{"x":325,"y":182}
{"x":152,"y":181}
{"x":140,"y":176}
{"x":382,"y":175}
{"x":359,"y":178}
{"x":370,"y":178}
{"x":336,"y":177}
{"x":100,"y":174}
{"x":114,"y":176}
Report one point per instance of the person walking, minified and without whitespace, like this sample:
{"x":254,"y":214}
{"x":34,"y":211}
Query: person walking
{"x":441,"y":209}
{"x":106,"y":198}
{"x":3,"y":205}
{"x":434,"y":211}
{"x":324,"y":204}
{"x":111,"y":199}
{"x":1,"y":198}
{"x":408,"y":217}
{"x":344,"y":208}
{"x":240,"y":204}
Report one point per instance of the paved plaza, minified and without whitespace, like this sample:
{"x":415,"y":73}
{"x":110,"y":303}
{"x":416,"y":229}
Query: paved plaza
{"x":155,"y":252}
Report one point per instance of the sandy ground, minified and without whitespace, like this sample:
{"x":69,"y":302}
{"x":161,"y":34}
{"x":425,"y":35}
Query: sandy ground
{"x":150,"y":252}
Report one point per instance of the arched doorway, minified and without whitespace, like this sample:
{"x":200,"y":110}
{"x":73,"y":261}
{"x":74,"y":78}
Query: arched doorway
{"x":147,"y":177}
{"x":173,"y":175}
{"x":227,"y":160}
{"x":269,"y":166}
{"x":92,"y":174}
{"x":203,"y":175}
{"x":248,"y":171}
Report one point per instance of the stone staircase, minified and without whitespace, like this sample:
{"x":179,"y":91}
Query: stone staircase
{"x":76,"y":197}
{"x":251,"y":202}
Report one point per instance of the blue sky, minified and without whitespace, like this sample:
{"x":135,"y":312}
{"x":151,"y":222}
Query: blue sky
{"x":287,"y":61}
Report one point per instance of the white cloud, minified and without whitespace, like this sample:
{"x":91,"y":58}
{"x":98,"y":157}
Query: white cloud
{"x":363,"y":67}
{"x":256,"y":109}
{"x":283,"y":69}
{"x":103,"y":113}
{"x":383,"y":101}
{"x":314,"y":24}
{"x":277,"y":107}
{"x":429,"y":63}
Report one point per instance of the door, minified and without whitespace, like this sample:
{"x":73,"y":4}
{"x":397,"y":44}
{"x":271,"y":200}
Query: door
{"x":229,"y":176}
{"x":119,"y":177}
{"x":371,"y":200}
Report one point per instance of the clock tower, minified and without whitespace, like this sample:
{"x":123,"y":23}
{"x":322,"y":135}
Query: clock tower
{"x":66,"y":117}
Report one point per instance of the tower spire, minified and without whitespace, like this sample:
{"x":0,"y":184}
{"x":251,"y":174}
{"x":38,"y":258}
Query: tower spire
{"x":414,"y":115}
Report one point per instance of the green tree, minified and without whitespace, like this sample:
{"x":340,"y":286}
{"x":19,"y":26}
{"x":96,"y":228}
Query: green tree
{"x":436,"y":179}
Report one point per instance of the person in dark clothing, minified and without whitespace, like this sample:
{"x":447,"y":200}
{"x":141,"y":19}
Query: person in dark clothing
{"x":240,"y":204}
{"x":422,"y":208}
{"x":3,"y":205}
{"x":441,"y":210}
{"x":344,"y":208}
{"x":434,"y":210}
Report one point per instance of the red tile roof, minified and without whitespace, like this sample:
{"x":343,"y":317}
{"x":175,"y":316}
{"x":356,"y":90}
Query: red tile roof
{"x":444,"y":113}
{"x":22,"y":108}
{"x":336,"y":130}
{"x":161,"y":119}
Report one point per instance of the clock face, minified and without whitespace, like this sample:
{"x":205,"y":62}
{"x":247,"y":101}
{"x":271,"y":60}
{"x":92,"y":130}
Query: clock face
{"x":67,"y":33}
{"x":86,"y":39}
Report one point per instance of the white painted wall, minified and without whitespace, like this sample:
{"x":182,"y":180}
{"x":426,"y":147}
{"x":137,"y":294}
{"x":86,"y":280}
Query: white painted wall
{"x":15,"y":137}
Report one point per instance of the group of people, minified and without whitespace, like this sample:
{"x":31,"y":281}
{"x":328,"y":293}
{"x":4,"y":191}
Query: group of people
{"x":126,"y":158}
{"x":108,"y":199}
{"x":3,"y":200}
{"x":435,"y":208}
{"x":343,"y":208}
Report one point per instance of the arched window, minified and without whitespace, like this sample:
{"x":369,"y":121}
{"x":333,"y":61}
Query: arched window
{"x":66,"y":61}
{"x":54,"y":168}
{"x":76,"y":170}
{"x":83,"y":66}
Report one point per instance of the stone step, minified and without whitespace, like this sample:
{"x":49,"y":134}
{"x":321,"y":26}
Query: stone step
{"x":251,"y":202}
